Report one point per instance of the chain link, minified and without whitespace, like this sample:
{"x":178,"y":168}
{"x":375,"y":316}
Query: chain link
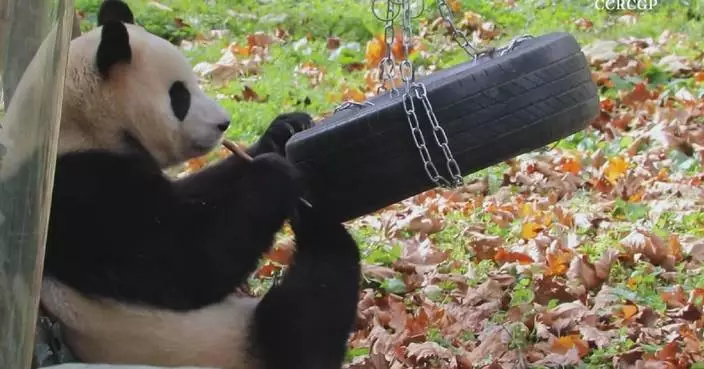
{"x":412,"y":89}
{"x":440,"y":137}
{"x":459,"y":37}
{"x":387,"y":67}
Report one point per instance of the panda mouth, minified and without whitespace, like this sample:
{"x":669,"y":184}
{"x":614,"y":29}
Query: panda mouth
{"x":201,"y":148}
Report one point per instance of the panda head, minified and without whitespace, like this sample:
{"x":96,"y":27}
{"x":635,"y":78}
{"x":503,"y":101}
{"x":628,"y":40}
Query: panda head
{"x":127,"y":89}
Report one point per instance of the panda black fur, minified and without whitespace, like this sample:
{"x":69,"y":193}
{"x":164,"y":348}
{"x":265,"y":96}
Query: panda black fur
{"x":142,"y":269}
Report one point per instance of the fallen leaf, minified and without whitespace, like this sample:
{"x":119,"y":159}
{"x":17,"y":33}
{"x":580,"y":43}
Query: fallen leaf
{"x":530,"y":230}
{"x":557,"y":262}
{"x":628,"y":311}
{"x":566,"y":316}
{"x":490,"y":290}
{"x":599,"y":337}
{"x":550,"y":288}
{"x":333,"y":43}
{"x":675,"y":297}
{"x":616,"y":168}
{"x":504,"y":256}
{"x":423,"y":352}
{"x":563,"y":344}
{"x":374,"y":51}
{"x":648,"y":244}
{"x":493,"y":344}
{"x":248,"y":94}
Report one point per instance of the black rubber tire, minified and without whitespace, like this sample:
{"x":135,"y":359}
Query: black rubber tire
{"x":363,"y":159}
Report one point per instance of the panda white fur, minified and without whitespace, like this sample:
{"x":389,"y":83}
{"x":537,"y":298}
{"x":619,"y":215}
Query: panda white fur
{"x":142,"y":269}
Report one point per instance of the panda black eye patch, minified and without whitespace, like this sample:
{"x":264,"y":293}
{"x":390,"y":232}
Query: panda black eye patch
{"x":180,"y":99}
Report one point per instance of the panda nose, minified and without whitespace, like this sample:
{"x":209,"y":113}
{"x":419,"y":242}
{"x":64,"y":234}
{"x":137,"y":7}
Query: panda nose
{"x":223,"y":126}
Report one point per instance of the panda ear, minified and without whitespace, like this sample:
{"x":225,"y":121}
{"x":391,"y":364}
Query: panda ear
{"x":114,"y":47}
{"x":114,"y":10}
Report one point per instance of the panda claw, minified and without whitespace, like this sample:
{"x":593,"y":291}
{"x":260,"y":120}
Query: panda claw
{"x":283,"y":128}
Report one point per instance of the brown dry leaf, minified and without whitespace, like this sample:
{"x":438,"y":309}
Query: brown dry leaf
{"x":239,"y":50}
{"x":689,"y":312}
{"x":471,"y":21}
{"x":566,"y":316}
{"x":503,"y":256}
{"x":378,"y":272}
{"x":353,"y":94}
{"x":592,"y":276}
{"x":530,"y":230}
{"x":675,"y":64}
{"x":639,"y":94}
{"x":669,"y":351}
{"x":675,"y":247}
{"x":600,"y":51}
{"x":697,"y":296}
{"x":397,"y":47}
{"x":557,"y":262}
{"x":592,"y":334}
{"x":196,"y":163}
{"x":563,"y":344}
{"x":383,"y":342}
{"x":494,"y":343}
{"x":484,"y":246}
{"x":374,"y":51}
{"x":616,"y":168}
{"x":699,"y":77}
{"x":569,"y":359}
{"x":282,"y":253}
{"x":648,"y":244}
{"x":260,"y":39}
{"x":248,"y":94}
{"x":490,"y":290}
{"x":488,"y":31}
{"x":692,"y":343}
{"x":431,"y":351}
{"x":583,"y":23}
{"x":674,"y":298}
{"x":603,"y":266}
{"x":333,"y":43}
{"x":549,"y":288}
{"x":397,"y":309}
{"x":695,"y":251}
{"x":570,"y":164}
{"x":423,"y":253}
{"x":267,"y":270}
{"x":628,"y":311}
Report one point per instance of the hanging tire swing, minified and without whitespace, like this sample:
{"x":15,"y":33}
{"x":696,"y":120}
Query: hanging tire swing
{"x":503,"y":103}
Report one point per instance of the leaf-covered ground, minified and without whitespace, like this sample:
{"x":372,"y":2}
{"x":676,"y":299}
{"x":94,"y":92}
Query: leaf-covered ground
{"x":588,"y":253}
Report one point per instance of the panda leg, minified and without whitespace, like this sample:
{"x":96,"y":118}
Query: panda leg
{"x":305,"y":321}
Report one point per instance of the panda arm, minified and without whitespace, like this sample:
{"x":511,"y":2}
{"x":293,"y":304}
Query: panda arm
{"x":119,"y":228}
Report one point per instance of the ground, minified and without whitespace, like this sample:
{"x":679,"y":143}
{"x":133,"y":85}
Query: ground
{"x":585,"y":254}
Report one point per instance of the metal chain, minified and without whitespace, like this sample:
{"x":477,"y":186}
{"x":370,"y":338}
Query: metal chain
{"x":387,"y":67}
{"x":459,"y":37}
{"x":440,"y":137}
{"x":417,"y":89}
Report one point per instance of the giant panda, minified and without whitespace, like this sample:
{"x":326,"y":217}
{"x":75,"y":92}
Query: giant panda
{"x":141,"y":268}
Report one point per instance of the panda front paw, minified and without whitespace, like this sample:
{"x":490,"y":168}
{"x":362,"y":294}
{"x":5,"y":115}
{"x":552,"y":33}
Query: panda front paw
{"x":278,"y":184}
{"x":280,"y":131}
